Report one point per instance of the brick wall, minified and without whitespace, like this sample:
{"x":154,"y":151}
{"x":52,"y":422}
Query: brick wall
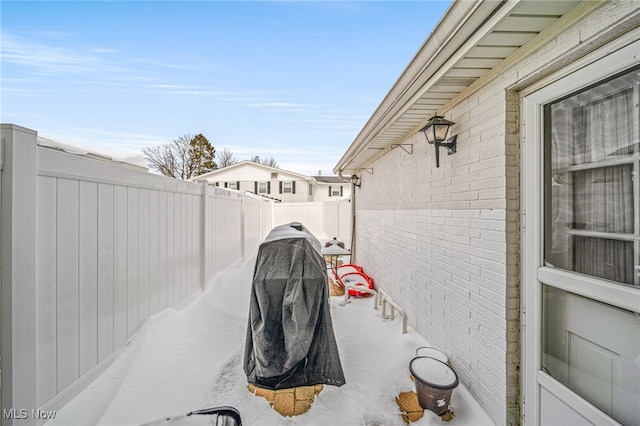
{"x":436,"y":240}
{"x":445,"y":242}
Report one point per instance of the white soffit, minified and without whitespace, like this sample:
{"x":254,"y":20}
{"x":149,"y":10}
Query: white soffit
{"x":491,"y":32}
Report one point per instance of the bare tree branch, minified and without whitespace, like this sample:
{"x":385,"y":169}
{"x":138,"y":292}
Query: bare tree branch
{"x":226,"y":158}
{"x":269,"y":161}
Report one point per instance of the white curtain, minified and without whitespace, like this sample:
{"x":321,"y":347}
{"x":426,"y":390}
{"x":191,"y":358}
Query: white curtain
{"x":588,"y":128}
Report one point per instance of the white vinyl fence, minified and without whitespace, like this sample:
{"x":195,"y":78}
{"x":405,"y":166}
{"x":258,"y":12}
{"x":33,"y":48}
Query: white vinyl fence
{"x":328,"y":218}
{"x":90,"y":250}
{"x":235,"y":223}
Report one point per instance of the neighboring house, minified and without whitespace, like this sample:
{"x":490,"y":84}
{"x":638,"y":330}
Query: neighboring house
{"x":281,"y":185}
{"x":330,"y":188}
{"x":519,"y":256}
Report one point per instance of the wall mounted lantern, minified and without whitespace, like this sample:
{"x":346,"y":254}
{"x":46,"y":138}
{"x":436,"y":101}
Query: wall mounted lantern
{"x":436,"y":131}
{"x":355,"y":180}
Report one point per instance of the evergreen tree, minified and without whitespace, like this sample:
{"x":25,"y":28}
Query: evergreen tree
{"x":202,"y":155}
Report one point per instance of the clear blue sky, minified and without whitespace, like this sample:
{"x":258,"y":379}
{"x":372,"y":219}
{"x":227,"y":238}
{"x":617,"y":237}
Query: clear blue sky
{"x":292,"y":80}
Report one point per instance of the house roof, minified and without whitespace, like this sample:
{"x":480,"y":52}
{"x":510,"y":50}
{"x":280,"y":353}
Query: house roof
{"x":252,"y":163}
{"x":471,"y":44}
{"x":329,"y":179}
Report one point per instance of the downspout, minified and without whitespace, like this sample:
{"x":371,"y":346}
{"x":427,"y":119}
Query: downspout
{"x":353,"y":216}
{"x":353,"y":223}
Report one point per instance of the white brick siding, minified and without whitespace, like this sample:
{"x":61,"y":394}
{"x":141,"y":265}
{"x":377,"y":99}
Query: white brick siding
{"x":451,"y":281}
{"x":436,"y":239}
{"x":445,"y":242}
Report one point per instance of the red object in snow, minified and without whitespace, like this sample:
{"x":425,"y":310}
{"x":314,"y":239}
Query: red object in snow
{"x":353,"y":275}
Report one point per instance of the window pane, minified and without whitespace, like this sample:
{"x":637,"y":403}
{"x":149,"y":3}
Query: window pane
{"x":592,"y":348}
{"x":603,"y":127}
{"x":591,"y":162}
{"x":609,"y":259}
{"x":603,"y":199}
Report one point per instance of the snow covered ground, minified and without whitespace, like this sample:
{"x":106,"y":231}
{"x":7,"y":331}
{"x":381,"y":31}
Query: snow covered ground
{"x":188,"y":359}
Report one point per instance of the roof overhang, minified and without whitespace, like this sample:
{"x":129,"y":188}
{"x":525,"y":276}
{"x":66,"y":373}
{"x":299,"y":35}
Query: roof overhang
{"x":250,"y":163}
{"x":470,"y":41}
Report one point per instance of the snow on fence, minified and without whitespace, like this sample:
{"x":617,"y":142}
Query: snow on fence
{"x":90,"y":250}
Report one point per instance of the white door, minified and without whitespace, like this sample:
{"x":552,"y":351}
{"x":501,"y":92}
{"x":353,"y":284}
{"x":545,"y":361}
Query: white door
{"x":581,"y":264}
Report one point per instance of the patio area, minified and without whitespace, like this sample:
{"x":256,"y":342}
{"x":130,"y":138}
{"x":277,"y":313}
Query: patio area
{"x":191,"y":358}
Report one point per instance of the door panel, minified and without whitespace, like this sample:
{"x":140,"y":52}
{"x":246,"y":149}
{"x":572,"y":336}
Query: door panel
{"x":591,"y":164}
{"x":594,"y":371}
{"x":592,"y":348}
{"x":581,"y":240}
{"x":555,"y":412}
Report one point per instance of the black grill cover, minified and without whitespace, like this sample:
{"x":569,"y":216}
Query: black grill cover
{"x":290,"y":340}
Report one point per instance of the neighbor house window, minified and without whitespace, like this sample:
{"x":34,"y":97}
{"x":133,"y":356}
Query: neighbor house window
{"x":287,"y":187}
{"x":335,"y":191}
{"x":233,"y":185}
{"x":262,"y":187}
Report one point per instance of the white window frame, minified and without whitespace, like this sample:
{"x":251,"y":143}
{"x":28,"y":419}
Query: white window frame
{"x":233,"y":183}
{"x":287,"y":187}
{"x":263,"y":187}
{"x":532,"y":244}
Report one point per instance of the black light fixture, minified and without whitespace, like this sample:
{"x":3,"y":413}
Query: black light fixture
{"x":355,"y":180}
{"x":436,"y":131}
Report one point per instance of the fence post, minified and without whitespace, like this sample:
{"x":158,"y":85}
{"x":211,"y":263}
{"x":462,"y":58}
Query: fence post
{"x":338,"y":202}
{"x":18,"y":264}
{"x":204,"y":235}
{"x":261,"y":219}
{"x":273,"y":214}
